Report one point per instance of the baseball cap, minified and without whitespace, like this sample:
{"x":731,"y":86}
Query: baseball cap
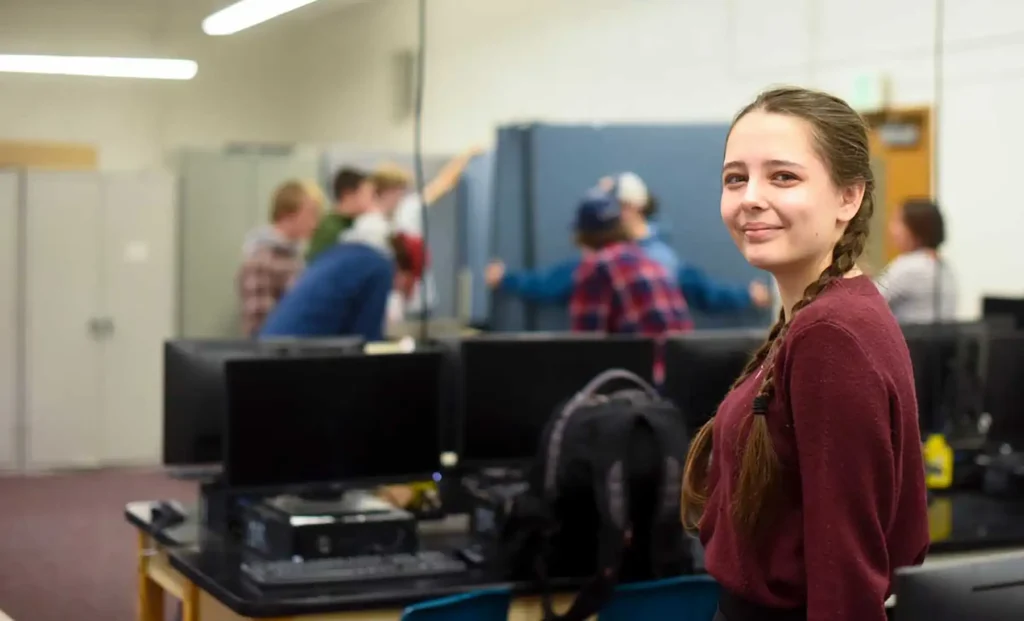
{"x":598,"y":211}
{"x":630,"y":188}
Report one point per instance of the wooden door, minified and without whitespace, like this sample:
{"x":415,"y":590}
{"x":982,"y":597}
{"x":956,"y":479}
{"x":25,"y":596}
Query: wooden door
{"x":901,"y":144}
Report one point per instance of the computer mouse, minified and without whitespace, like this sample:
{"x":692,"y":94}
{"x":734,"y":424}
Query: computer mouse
{"x":165,"y":513}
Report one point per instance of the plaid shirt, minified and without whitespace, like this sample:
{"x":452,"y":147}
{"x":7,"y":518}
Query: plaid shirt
{"x":619,"y":290}
{"x":263,"y":279}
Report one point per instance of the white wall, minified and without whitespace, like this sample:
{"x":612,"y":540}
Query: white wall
{"x":242,"y":90}
{"x":490,"y":62}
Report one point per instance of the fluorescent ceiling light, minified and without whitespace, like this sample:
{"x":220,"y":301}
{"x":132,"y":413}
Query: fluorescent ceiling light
{"x":247,"y":13}
{"x":151,"y":68}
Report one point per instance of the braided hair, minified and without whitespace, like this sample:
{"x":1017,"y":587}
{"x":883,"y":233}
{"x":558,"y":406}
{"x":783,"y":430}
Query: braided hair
{"x":840,"y":137}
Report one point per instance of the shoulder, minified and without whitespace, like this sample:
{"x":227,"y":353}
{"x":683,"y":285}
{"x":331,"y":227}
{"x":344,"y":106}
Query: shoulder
{"x":849,"y":322}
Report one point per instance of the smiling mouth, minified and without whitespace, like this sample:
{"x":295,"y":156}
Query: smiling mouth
{"x":757,"y":229}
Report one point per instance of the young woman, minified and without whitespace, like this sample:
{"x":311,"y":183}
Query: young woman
{"x":918,"y":284}
{"x":808,"y":485}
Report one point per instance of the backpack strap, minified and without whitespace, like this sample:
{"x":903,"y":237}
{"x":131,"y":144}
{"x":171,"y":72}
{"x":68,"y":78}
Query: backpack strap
{"x":672,"y":443}
{"x":583,"y":397}
{"x":611,"y":495}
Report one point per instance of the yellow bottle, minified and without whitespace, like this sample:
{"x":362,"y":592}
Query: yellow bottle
{"x":938,"y":462}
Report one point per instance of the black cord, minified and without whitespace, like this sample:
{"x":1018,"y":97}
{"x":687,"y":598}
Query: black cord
{"x":417,"y":153}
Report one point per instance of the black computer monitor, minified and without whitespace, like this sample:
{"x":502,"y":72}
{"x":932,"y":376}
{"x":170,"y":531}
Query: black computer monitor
{"x":949,"y":361}
{"x":701,"y":367}
{"x":511,"y":384}
{"x":194,"y":389}
{"x":1004,"y":389}
{"x":985,"y":589}
{"x":1007,"y":308}
{"x":308,"y":421}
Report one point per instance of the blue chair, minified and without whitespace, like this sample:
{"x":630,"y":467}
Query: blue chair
{"x":683,"y":598}
{"x":483,"y":605}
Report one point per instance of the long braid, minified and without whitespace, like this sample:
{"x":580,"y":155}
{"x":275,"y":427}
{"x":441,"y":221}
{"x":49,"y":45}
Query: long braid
{"x":843,"y":145}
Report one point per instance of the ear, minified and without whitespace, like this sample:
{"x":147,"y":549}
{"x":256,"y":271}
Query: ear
{"x":850,"y":198}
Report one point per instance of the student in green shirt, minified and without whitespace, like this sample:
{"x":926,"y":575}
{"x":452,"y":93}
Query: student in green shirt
{"x":353,"y":195}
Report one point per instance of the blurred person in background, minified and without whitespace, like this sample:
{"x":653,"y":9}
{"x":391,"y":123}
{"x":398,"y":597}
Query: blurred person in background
{"x":918,"y":284}
{"x":397,"y":198}
{"x":345,"y":291}
{"x":272,"y":253}
{"x":553,"y":285}
{"x":618,"y":288}
{"x":353,"y":195}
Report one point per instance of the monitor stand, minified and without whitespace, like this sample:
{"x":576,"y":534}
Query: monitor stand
{"x":505,"y":474}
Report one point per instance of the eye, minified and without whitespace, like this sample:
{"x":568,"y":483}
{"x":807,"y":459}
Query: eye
{"x":785,"y":178}
{"x":733,"y":179}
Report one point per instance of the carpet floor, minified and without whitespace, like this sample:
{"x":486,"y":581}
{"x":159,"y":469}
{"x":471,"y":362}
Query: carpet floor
{"x":66,"y":551}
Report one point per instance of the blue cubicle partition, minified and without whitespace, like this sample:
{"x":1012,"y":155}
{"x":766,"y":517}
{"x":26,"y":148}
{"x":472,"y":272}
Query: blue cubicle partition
{"x":443,"y":223}
{"x":475,"y":200}
{"x":542,"y":170}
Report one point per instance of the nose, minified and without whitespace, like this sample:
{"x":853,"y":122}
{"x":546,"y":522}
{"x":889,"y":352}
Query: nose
{"x":752,"y":197}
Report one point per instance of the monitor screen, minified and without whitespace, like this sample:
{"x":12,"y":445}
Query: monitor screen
{"x":195,"y":395}
{"x":701,"y":367}
{"x":1004,"y":389}
{"x":308,"y":421}
{"x":1011,"y":309}
{"x":978,"y":589}
{"x":949,"y":361}
{"x":511,"y":386}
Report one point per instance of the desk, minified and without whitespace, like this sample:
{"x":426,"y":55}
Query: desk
{"x":201,"y":570}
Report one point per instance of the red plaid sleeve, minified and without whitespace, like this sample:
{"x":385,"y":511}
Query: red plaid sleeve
{"x":257,"y":292}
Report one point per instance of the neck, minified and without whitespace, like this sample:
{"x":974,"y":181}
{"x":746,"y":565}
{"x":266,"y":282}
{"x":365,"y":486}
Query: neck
{"x":638,"y":230}
{"x":283,"y":232}
{"x":792,"y":284}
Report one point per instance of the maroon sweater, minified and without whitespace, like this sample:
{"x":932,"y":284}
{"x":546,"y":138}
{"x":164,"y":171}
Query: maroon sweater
{"x":852,"y":506}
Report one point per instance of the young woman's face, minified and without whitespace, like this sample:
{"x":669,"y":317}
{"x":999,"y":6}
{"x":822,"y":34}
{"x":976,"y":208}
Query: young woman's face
{"x":778,"y":199}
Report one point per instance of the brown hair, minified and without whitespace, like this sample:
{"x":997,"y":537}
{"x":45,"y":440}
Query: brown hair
{"x":841,"y":141}
{"x":390,"y":177}
{"x":923,"y":219}
{"x":596,"y":240}
{"x":288,"y":199}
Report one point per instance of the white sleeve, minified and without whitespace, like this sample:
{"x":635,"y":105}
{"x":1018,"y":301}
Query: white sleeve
{"x":409,"y":216}
{"x":896,"y":280}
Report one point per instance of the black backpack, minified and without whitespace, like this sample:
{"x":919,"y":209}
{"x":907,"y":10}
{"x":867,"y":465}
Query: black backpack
{"x":603,"y":496}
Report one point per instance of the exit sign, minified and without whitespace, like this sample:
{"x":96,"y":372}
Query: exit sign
{"x":870,"y":92}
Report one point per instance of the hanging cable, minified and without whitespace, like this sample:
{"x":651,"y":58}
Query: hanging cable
{"x":417,"y":153}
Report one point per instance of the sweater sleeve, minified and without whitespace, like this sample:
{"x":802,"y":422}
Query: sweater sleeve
{"x":708,"y":295}
{"x":841,"y":421}
{"x":552,"y":284}
{"x":371,"y":313}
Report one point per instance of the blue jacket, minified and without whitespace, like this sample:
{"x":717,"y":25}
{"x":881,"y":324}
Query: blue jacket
{"x":344,"y":292}
{"x":554,"y":284}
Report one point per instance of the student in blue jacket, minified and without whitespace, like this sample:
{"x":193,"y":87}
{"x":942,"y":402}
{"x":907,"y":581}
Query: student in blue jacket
{"x":554,"y":284}
{"x":345,"y":291}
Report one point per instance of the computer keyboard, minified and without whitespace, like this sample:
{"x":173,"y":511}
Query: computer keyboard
{"x":352,"y":569}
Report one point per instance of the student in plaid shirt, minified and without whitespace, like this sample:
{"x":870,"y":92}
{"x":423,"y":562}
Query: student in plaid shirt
{"x":272,"y":252}
{"x":617,"y":288}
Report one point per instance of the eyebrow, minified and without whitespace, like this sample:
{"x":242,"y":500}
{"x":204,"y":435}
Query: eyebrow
{"x":772,"y":163}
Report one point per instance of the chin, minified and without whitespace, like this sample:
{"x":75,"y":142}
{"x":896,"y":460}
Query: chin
{"x":764,"y":256}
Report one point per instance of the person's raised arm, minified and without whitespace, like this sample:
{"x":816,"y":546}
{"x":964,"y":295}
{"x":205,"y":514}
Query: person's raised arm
{"x":548,"y":285}
{"x":449,"y":176}
{"x":844,"y":440}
